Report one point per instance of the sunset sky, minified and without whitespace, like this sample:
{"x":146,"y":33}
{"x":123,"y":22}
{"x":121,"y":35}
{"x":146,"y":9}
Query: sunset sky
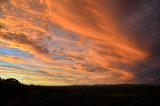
{"x":77,"y":42}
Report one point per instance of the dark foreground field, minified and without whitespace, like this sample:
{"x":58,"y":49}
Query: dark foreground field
{"x":12,"y":93}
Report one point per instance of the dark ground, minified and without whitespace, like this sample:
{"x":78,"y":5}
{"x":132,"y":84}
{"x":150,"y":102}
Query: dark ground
{"x":12,"y":93}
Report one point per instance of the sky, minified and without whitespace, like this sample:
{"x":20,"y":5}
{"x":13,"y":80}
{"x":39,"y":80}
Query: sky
{"x":80,"y":42}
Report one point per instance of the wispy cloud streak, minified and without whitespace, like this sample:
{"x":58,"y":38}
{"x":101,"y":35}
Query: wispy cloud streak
{"x":81,"y":41}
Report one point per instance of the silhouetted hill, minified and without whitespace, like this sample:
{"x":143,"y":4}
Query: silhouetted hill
{"x":13,"y":93}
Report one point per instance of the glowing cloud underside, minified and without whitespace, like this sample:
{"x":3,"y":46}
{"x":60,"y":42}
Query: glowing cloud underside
{"x":65,"y":42}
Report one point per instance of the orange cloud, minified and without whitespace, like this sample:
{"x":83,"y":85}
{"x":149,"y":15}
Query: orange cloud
{"x":82,"y":36}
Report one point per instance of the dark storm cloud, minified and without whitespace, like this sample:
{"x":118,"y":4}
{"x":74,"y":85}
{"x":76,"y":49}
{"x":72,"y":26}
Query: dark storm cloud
{"x":142,"y":22}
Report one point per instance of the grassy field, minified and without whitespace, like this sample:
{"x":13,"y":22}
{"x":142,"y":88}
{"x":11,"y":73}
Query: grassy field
{"x":16,"y":94}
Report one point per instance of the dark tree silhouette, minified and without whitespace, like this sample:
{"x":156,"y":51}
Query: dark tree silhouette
{"x":11,"y":81}
{"x":1,"y":80}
